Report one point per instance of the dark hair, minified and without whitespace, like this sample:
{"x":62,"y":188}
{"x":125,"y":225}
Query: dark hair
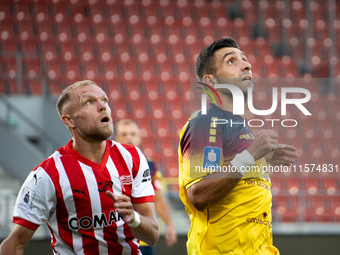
{"x":205,"y":62}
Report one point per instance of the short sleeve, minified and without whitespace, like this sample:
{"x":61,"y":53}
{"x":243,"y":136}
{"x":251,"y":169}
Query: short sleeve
{"x":201,"y":149}
{"x":35,"y":200}
{"x":142,"y":190}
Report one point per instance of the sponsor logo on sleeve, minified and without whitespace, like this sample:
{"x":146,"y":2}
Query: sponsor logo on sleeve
{"x":146,"y":176}
{"x":26,"y":198}
{"x":212,"y":157}
{"x":245,"y":136}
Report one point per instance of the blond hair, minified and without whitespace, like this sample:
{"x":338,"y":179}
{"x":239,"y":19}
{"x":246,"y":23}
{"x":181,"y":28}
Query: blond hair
{"x":65,"y":94}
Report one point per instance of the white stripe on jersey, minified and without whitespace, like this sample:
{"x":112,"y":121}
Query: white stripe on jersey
{"x":95,"y":204}
{"x":70,"y":205}
{"x":118,"y":192}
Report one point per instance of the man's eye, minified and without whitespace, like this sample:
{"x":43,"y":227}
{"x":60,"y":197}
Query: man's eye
{"x":88,"y":103}
{"x":230,"y":62}
{"x":105,"y":100}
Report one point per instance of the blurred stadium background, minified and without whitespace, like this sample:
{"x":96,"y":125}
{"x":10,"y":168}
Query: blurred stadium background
{"x":143,"y":53}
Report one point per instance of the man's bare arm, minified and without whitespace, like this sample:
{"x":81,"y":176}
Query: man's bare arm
{"x":163,"y":211}
{"x":147,"y":230}
{"x":16,"y":242}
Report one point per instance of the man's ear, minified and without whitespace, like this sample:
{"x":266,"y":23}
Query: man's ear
{"x":68,"y":121}
{"x":210,"y":80}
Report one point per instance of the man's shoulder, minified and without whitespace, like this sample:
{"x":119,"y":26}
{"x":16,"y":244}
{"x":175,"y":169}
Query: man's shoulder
{"x":49,"y":164}
{"x":122,"y":147}
{"x":125,"y":149}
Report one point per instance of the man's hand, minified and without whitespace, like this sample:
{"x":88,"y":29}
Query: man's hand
{"x":170,"y":236}
{"x":147,"y":230}
{"x":123,"y":206}
{"x":284,"y":155}
{"x":264,"y":142}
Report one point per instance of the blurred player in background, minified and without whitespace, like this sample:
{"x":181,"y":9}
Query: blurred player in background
{"x":90,"y":192}
{"x":127,"y":132}
{"x":230,"y":210}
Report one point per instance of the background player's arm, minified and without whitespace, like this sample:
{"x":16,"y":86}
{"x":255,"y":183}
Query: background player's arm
{"x":16,"y":242}
{"x":162,"y":209}
{"x":216,"y":186}
{"x":147,"y":231}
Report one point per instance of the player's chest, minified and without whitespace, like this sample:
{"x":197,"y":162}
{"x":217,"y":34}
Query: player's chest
{"x":85,"y":185}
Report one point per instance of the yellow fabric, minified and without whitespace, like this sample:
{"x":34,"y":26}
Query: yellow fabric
{"x":141,"y":243}
{"x":238,"y":224}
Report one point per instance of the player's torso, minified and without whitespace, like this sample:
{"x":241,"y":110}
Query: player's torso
{"x":84,"y":213}
{"x":241,"y":222}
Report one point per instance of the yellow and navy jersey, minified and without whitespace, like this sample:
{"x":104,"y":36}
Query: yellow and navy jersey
{"x":241,"y":222}
{"x":156,"y":176}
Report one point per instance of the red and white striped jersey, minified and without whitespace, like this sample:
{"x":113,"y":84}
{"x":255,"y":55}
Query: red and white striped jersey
{"x":67,"y":191}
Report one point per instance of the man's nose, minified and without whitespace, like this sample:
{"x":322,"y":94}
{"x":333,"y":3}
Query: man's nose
{"x":102,"y":106}
{"x":246,"y":66}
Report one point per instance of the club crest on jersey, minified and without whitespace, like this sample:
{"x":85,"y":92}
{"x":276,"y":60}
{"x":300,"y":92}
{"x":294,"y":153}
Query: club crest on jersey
{"x":104,"y":186}
{"x":125,"y":180}
{"x":212,"y":157}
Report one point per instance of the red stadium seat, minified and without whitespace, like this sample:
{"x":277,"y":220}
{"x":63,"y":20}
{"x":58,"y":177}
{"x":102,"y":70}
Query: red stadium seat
{"x":32,"y":68}
{"x":10,"y":86}
{"x":312,"y":185}
{"x":293,"y":186}
{"x":148,"y":147}
{"x":331,"y":185}
{"x":319,"y":209}
{"x":33,"y":87}
{"x":72,"y":71}
{"x":170,"y":167}
{"x":278,"y":186}
{"x":287,"y":208}
{"x":22,"y":11}
{"x":45,"y":32}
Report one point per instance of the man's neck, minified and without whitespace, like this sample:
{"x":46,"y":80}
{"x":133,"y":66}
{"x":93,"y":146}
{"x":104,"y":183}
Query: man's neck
{"x":227,"y":103}
{"x":93,"y":151}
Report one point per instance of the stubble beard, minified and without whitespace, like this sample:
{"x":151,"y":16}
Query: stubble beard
{"x":97,"y":133}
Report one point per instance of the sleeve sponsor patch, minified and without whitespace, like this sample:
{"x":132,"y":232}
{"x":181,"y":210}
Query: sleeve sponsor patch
{"x":26,"y":198}
{"x":146,"y":175}
{"x":212,"y":157}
